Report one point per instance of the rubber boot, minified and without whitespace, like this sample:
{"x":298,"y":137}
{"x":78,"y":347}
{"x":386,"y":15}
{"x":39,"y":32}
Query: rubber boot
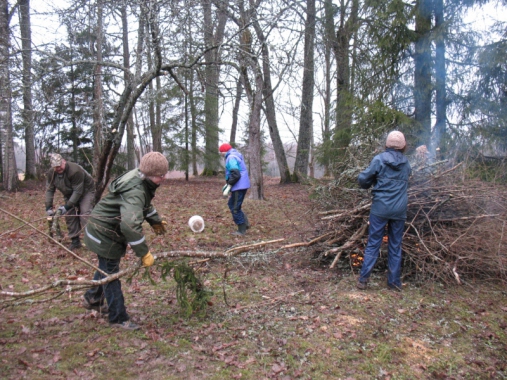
{"x":241,"y":230}
{"x":75,"y":244}
{"x":246,"y":221}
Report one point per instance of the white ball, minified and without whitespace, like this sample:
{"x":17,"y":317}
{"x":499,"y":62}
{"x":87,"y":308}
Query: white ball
{"x":196,"y":223}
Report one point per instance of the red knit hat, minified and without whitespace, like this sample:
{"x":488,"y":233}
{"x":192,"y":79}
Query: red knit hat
{"x":225,"y":148}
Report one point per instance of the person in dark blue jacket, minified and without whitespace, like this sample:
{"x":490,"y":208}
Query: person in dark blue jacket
{"x":388,"y":173}
{"x":237,"y":184}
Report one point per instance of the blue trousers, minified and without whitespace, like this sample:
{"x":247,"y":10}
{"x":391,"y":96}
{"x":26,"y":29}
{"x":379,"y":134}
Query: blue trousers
{"x":235,"y":202}
{"x":111,"y":291}
{"x":376,"y":229}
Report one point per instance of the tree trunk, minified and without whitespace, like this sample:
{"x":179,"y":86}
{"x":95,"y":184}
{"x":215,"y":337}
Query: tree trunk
{"x":193,"y":119}
{"x":270,"y":110}
{"x":440,"y":79}
{"x":9,"y":170}
{"x":254,"y":92}
{"x":27,"y":113}
{"x":73,"y":116}
{"x":422,"y":72}
{"x":328,"y":42}
{"x":237,"y":102}
{"x":254,"y":145}
{"x":212,"y":37}
{"x":306,"y":120}
{"x":151,"y":94}
{"x":156,"y":133}
{"x":341,"y":45}
{"x":98,"y":106}
{"x":131,"y":153}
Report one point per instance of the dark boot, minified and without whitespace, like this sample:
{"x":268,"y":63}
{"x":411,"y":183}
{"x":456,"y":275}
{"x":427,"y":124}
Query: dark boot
{"x":241,"y":230}
{"x":75,"y":244}
{"x":246,"y":221}
{"x":99,"y":306}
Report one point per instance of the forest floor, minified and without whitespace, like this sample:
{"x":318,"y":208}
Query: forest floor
{"x":275,"y":313}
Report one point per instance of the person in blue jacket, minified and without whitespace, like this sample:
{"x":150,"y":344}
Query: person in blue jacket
{"x":237,"y":184}
{"x":388,"y":173}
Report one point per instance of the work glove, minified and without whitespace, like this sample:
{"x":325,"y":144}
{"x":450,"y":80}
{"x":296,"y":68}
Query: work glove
{"x":160,"y":228}
{"x":226,"y":190}
{"x":148,"y":260}
{"x":63,"y":210}
{"x":50,"y":212}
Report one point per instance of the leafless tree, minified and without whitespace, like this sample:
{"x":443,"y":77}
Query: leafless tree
{"x":27,"y":113}
{"x":9,"y":169}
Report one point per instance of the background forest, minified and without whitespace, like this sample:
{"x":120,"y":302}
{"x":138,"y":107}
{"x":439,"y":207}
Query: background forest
{"x":105,"y":81}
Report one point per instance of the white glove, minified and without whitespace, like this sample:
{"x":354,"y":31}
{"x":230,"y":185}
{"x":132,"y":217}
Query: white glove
{"x":63,"y":210}
{"x":226,"y":189}
{"x":50,"y":212}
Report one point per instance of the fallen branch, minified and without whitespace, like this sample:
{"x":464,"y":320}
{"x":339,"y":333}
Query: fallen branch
{"x":311,"y":242}
{"x":244,"y":248}
{"x":357,"y":235}
{"x":73,"y":285}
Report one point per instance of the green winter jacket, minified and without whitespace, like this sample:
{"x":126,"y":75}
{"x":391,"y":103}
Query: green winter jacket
{"x":117,"y":219}
{"x":74,"y":182}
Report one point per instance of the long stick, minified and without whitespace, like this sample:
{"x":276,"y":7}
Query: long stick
{"x":308,"y":243}
{"x":57,"y":242}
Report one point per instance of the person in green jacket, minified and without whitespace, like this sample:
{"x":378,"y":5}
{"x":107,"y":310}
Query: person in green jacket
{"x":78,"y":189}
{"x":115,"y":223}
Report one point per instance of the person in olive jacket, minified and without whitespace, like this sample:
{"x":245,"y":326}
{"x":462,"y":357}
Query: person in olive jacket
{"x":388,"y":173}
{"x":116,"y":221}
{"x":78,"y":189}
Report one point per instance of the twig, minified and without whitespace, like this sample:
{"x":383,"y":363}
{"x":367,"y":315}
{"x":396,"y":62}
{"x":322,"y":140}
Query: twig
{"x":464,"y":218}
{"x":424,"y":245}
{"x":455,"y":272}
{"x":350,"y":212}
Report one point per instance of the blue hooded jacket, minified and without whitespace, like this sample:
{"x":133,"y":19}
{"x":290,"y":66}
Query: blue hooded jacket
{"x":234,"y":162}
{"x":388,"y":172}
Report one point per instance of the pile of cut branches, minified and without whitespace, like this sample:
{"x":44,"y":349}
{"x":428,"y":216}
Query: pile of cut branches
{"x":455,"y":229}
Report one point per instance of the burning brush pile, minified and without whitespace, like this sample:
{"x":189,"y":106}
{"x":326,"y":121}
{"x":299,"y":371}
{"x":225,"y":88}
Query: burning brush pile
{"x":456,"y":228}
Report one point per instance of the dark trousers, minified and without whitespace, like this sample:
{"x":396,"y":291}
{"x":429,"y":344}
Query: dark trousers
{"x":77,"y":217}
{"x":235,"y":202}
{"x":111,"y":291}
{"x":376,"y":233}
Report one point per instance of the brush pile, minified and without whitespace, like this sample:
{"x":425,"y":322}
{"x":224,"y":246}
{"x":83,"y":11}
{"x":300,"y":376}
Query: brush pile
{"x":456,"y":228}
